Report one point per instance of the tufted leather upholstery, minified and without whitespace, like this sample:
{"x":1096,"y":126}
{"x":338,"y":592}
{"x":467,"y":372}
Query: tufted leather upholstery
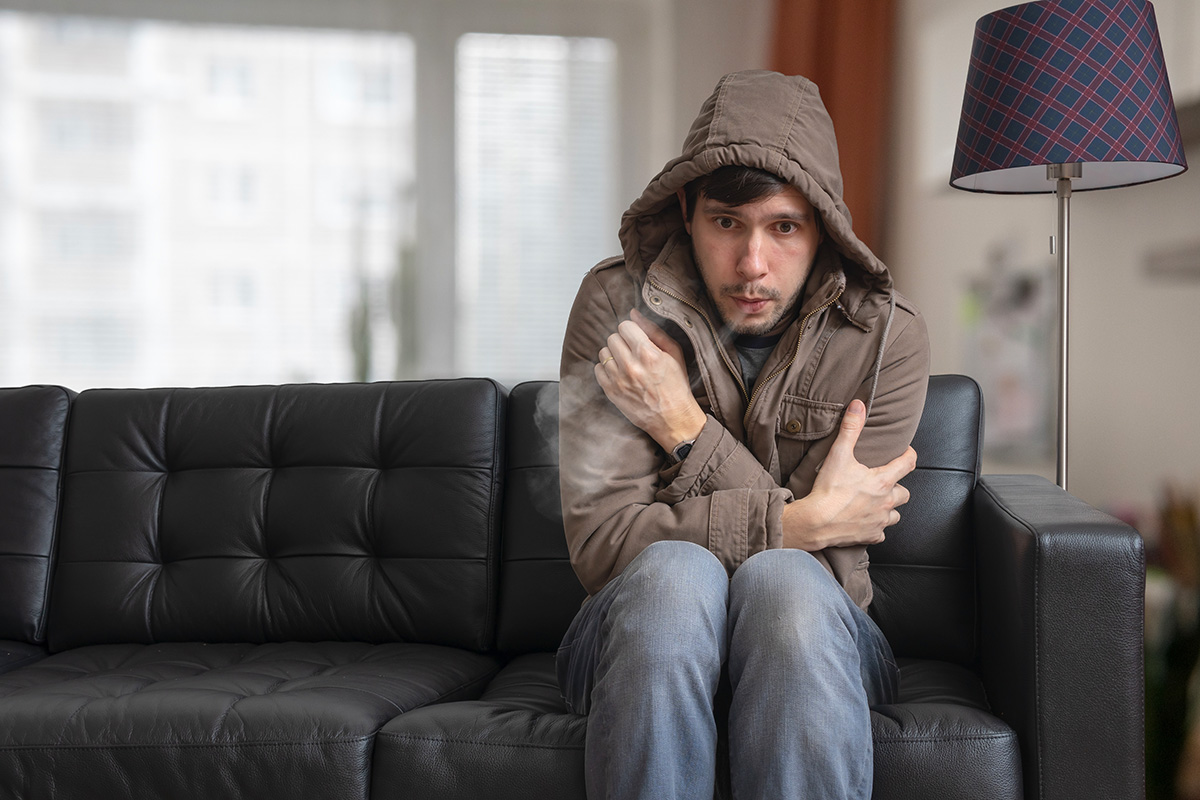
{"x":33,"y":423}
{"x":281,"y":513}
{"x":515,"y":741}
{"x":216,"y":720}
{"x":251,"y":581}
{"x":322,"y":591}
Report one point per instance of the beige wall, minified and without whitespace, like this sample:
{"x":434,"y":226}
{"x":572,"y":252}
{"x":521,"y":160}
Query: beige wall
{"x":1135,"y":372}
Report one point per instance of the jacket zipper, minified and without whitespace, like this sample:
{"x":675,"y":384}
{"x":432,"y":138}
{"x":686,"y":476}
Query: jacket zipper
{"x":724,"y":356}
{"x":783,"y":367}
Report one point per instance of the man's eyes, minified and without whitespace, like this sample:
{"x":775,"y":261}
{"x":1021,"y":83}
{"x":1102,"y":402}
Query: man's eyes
{"x":783,"y":226}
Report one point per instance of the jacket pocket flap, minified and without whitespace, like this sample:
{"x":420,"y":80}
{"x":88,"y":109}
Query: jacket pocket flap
{"x":804,"y":419}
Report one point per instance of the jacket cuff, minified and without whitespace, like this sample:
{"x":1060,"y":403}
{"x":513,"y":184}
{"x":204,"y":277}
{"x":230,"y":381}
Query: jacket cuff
{"x":717,"y":462}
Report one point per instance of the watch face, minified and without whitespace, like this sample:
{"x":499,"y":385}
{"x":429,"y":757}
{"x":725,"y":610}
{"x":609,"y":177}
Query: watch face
{"x":681,"y":452}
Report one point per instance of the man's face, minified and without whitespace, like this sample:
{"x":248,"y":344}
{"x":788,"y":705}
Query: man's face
{"x":754,"y":258}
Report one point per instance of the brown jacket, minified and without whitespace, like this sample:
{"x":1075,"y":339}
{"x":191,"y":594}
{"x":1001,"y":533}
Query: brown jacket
{"x":854,"y":337}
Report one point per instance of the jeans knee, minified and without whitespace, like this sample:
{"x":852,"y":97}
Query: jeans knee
{"x":673,"y":599}
{"x":785,"y":575}
{"x":671,"y":573}
{"x":787,"y":597}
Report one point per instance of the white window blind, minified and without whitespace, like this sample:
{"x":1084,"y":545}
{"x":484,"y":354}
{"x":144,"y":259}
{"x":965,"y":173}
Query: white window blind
{"x":536,"y":170}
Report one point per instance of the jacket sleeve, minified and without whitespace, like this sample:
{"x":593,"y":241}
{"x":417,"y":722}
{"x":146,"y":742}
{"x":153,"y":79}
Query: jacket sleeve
{"x":615,"y":501}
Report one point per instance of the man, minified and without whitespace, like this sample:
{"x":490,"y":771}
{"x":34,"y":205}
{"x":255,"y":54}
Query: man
{"x":738,"y":395}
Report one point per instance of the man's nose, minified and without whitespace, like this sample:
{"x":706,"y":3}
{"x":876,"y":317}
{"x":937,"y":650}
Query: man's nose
{"x":753,"y":263}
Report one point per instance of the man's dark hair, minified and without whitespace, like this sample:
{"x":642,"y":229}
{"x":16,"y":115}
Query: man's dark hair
{"x":733,"y":185}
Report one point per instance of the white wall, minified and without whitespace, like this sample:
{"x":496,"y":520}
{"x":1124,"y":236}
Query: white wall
{"x":1135,"y":372}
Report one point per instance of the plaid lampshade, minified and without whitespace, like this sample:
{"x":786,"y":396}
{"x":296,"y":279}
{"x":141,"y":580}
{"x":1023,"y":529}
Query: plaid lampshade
{"x":1067,"y":81}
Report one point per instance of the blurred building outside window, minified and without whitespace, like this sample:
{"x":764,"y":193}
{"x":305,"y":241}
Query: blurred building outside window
{"x":166,"y":215}
{"x":186,"y":204}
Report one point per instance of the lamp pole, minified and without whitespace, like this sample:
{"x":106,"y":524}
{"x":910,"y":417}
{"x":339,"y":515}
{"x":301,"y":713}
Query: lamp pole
{"x":1062,"y":175}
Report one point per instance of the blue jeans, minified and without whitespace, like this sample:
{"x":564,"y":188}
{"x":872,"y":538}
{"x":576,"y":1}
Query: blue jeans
{"x":643,"y":659}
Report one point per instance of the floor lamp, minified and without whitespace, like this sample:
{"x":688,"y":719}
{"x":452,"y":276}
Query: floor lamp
{"x":1062,"y":96}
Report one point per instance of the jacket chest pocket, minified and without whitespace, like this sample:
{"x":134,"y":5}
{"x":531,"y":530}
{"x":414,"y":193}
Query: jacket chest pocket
{"x":800,"y":423}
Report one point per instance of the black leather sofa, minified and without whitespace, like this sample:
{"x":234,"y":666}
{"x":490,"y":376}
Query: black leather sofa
{"x":355,"y":591}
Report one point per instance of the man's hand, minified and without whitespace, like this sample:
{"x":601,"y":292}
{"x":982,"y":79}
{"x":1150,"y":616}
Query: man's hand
{"x":642,"y":372}
{"x":849,"y":503}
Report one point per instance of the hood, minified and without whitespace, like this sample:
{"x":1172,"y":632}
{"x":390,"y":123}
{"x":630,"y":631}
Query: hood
{"x":754,"y":119}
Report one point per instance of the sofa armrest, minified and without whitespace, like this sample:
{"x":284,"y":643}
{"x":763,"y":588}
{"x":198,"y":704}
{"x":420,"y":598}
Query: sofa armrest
{"x":1061,"y":600}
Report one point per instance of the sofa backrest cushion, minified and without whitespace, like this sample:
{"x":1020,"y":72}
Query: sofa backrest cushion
{"x":33,"y":425}
{"x":539,"y":593}
{"x":924,"y":571}
{"x":365,"y":512}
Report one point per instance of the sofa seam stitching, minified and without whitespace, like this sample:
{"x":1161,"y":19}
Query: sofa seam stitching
{"x":439,"y":739}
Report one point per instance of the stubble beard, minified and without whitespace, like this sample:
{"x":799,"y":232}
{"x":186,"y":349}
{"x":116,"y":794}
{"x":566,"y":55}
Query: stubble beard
{"x":726,"y":307}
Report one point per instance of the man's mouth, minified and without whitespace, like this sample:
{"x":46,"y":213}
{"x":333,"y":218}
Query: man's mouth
{"x":750,"y":305}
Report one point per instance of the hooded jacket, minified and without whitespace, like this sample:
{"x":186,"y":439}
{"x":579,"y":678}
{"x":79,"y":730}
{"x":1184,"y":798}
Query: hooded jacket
{"x":854,"y":336}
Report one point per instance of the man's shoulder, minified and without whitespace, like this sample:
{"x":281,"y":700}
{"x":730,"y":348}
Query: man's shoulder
{"x":612,"y":281}
{"x":907,"y":306}
{"x":910,"y":325}
{"x":611,"y":271}
{"x":870,"y":305}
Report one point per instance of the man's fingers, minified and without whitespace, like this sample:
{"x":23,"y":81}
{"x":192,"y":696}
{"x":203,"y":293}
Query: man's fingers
{"x":602,"y":377}
{"x":899,"y":466}
{"x":632,"y":334}
{"x":852,"y":425}
{"x":656,"y":334}
{"x":620,"y":350}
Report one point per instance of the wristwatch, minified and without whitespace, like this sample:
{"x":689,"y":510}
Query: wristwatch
{"x":682,"y":449}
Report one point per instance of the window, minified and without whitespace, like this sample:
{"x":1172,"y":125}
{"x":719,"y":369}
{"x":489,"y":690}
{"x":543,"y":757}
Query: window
{"x":164,"y":223}
{"x":230,"y":79}
{"x":360,"y":80}
{"x":535,"y":118}
{"x":269,"y":184}
{"x":79,"y":45}
{"x":73,"y":126}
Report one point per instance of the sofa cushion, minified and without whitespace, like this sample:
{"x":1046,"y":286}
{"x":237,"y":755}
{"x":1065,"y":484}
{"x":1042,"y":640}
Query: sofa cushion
{"x":33,"y":422}
{"x":518,"y":741}
{"x":182,"y":720}
{"x":18,"y":654}
{"x":924,"y":571}
{"x":354,"y":512}
{"x":539,"y":592}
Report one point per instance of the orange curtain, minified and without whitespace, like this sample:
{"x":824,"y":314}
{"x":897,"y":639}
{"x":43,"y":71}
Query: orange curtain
{"x":845,"y":46}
